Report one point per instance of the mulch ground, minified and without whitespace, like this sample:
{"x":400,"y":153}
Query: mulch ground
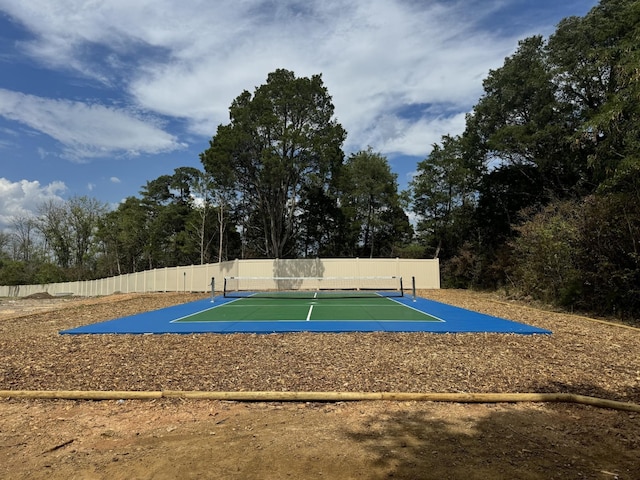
{"x":581,"y":356}
{"x":364,"y":440}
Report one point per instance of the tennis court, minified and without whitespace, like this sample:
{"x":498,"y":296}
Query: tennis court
{"x":365,"y":308}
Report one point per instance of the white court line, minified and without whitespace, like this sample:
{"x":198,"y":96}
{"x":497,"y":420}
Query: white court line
{"x":232,"y":304}
{"x":417,"y":310}
{"x":201,"y":311}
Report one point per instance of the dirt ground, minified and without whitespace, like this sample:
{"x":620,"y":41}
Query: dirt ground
{"x":176,"y":438}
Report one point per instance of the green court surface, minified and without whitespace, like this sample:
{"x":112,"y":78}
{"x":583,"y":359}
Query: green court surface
{"x":310,"y":309}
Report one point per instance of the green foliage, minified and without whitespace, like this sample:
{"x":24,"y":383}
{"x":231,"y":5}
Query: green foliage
{"x":502,"y":194}
{"x":611,"y":260}
{"x":69,"y":229}
{"x":369,"y":199}
{"x":547,"y":252}
{"x":14,"y":272}
{"x":411,"y":250}
{"x":5,"y":241}
{"x":123,"y":234}
{"x":520,"y":122}
{"x":35,"y":272}
{"x":443,"y":196}
{"x":48,"y":272}
{"x":595,"y":64}
{"x":279,"y":140}
{"x":551,"y":154}
{"x":464,"y":269}
{"x":322,"y":224}
{"x":582,"y":254}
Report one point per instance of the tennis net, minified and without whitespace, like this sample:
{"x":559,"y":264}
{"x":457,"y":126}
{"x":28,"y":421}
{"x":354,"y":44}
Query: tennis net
{"x":313,"y":287}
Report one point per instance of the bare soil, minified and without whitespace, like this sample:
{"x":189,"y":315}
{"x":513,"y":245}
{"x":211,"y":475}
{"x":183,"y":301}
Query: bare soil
{"x":172,"y":438}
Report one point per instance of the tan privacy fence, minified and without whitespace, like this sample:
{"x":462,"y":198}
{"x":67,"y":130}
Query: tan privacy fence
{"x":197,"y":278}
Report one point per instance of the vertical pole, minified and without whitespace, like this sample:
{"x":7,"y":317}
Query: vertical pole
{"x":213,"y":288}
{"x":184,"y":282}
{"x":413,"y":287}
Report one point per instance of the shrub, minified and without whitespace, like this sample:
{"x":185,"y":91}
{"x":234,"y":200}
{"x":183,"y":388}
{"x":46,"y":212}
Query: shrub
{"x":546,"y":255}
{"x":583,"y":255}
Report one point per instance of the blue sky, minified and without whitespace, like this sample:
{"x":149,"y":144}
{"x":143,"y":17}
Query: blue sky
{"x":98,"y":97}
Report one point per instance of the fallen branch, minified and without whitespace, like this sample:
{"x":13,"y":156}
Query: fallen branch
{"x":57,"y":447}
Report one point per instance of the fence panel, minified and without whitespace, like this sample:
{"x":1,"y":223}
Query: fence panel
{"x":197,"y":278}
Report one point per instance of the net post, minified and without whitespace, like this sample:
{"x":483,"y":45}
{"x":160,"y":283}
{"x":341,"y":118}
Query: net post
{"x":224,"y":288}
{"x":413,"y":288}
{"x":213,"y":288}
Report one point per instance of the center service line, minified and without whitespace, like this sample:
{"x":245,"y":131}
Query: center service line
{"x":309,"y":314}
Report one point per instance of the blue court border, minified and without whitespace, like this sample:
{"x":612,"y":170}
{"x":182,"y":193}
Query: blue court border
{"x":456,"y":320}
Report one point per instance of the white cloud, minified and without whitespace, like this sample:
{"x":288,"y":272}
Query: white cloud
{"x":374,"y":57}
{"x":416,"y":138}
{"x":189,"y":59}
{"x":115,"y":180}
{"x":21,"y":199}
{"x":86,"y":130}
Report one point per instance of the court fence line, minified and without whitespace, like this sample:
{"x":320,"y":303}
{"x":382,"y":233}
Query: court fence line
{"x":198,"y":278}
{"x":267,"y":396}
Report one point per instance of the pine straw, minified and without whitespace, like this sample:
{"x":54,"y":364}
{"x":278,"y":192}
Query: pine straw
{"x":581,"y":356}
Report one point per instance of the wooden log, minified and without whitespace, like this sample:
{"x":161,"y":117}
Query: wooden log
{"x":80,"y":394}
{"x":266,"y":396}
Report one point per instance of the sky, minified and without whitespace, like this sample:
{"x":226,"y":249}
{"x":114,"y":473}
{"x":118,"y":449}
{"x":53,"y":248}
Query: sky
{"x":97,"y":97}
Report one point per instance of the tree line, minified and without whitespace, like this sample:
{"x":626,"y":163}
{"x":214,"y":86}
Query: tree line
{"x":540,"y":194}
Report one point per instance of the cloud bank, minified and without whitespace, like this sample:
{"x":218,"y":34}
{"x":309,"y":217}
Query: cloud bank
{"x":188,"y":60}
{"x":21,"y":199}
{"x":86,"y":130}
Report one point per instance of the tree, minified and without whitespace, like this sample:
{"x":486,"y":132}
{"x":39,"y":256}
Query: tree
{"x":24,"y":230}
{"x":202,"y":207}
{"x":371,"y":203}
{"x":560,"y":122}
{"x":595,"y":61}
{"x":443,"y":195}
{"x":125,"y":235}
{"x":167,"y":202}
{"x":520,"y":131}
{"x":193,"y":189}
{"x":53,"y":224}
{"x":211,"y":217}
{"x":520,"y":122}
{"x":322,"y":223}
{"x":70,"y":229}
{"x":610,"y":254}
{"x":583,"y":254}
{"x":84,"y":215}
{"x":279,"y":138}
{"x":5,"y":241}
